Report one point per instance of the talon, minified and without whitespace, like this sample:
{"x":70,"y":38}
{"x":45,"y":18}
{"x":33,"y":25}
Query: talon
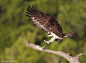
{"x":47,"y":42}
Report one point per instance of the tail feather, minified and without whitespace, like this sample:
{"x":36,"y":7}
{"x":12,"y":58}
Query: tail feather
{"x":69,"y":34}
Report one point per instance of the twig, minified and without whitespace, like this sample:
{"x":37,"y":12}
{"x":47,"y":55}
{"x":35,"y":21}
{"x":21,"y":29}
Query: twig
{"x":71,"y":59}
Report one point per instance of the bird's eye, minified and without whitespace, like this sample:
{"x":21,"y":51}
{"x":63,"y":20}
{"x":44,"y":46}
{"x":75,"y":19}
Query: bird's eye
{"x":49,"y":33}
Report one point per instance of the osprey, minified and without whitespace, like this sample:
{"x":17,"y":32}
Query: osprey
{"x":47,"y":23}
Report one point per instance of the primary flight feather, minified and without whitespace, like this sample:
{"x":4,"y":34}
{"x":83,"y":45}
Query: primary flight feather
{"x":47,"y":23}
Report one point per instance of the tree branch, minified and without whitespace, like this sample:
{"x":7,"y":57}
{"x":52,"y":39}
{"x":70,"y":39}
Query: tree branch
{"x":71,"y":59}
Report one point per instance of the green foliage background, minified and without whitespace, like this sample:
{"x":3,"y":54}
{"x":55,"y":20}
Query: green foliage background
{"x":15,"y":28}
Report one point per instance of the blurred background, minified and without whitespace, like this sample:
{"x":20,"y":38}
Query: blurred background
{"x":15,"y":28}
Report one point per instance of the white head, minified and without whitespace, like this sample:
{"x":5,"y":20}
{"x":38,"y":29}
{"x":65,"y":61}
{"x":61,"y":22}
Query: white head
{"x":49,"y":34}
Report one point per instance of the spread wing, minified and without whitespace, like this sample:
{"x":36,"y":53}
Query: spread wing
{"x":44,"y":21}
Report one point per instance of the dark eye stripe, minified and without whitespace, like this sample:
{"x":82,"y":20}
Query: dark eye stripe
{"x":49,"y":33}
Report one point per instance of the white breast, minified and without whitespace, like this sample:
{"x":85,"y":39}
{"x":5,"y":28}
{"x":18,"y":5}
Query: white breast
{"x":53,"y":35}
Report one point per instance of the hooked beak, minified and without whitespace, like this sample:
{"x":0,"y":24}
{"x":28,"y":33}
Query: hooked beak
{"x":46,"y":35}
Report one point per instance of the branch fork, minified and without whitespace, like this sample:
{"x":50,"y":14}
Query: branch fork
{"x":71,"y":59}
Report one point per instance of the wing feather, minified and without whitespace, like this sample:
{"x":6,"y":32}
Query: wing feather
{"x":44,"y":21}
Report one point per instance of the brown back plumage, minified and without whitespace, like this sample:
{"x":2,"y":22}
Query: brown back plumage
{"x":44,"y":21}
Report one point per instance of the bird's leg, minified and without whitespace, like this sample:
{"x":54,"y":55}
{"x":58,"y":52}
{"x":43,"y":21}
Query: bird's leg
{"x":51,"y":40}
{"x":57,"y":40}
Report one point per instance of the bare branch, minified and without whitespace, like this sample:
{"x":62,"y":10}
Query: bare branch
{"x":71,"y":59}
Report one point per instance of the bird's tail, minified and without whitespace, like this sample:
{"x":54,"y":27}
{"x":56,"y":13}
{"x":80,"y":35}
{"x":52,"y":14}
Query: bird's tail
{"x":69,"y":34}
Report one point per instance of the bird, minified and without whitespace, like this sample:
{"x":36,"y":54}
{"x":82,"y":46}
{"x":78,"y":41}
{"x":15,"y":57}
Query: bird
{"x":48,"y":24}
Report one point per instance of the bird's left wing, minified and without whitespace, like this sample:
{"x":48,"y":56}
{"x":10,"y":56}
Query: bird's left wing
{"x":39,"y":18}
